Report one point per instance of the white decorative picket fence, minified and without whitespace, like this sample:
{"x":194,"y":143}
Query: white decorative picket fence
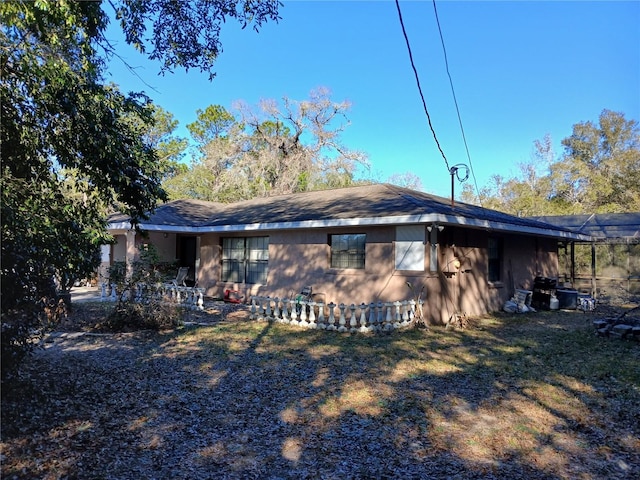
{"x":371,"y":317}
{"x":187,"y":297}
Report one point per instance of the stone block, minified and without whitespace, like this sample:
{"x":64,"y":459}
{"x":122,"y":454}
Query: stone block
{"x":600,"y":324}
{"x":622,"y":329}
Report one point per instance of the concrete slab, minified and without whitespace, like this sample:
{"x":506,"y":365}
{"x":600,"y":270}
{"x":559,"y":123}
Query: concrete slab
{"x":85,"y":294}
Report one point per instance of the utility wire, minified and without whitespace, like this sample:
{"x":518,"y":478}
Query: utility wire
{"x":424,"y":103}
{"x":455,"y":101}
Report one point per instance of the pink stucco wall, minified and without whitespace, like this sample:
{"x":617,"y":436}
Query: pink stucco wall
{"x":299,"y":258}
{"x":165,"y":245}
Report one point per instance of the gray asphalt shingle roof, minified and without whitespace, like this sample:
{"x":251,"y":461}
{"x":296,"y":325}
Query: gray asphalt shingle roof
{"x":187,"y":213}
{"x":367,"y":204}
{"x":378,"y":200}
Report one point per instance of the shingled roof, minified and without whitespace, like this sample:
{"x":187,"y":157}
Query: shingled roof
{"x":377,"y":204}
{"x":180,"y":214}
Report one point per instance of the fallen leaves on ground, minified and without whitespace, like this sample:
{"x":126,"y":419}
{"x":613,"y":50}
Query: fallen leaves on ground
{"x":519,"y":397}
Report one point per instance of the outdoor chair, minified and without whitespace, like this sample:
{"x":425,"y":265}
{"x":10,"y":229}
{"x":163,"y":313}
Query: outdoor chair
{"x":180,"y":277}
{"x":305,"y":295}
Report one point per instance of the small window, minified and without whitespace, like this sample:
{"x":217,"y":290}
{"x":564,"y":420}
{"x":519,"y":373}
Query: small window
{"x":347,"y":251}
{"x":410,"y":247}
{"x":245,"y":260}
{"x":495,"y":259}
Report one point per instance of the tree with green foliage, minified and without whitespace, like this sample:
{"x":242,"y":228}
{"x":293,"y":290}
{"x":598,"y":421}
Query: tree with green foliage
{"x":73,"y":145}
{"x":159,"y":134}
{"x":186,"y":34}
{"x":600,"y":169}
{"x":598,"y":172}
{"x":527,"y":194}
{"x":212,"y":156}
{"x":275,"y":149}
{"x":212,"y":123}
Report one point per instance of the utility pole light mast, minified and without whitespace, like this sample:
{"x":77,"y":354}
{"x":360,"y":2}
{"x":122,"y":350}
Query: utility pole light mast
{"x":454,"y":171}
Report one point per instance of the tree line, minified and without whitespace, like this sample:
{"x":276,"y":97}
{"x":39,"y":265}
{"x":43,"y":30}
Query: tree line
{"x":295,"y":147}
{"x":598,"y":171}
{"x":273,"y":148}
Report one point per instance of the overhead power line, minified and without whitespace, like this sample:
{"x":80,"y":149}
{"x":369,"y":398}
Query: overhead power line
{"x":424,"y":103}
{"x":455,"y":101}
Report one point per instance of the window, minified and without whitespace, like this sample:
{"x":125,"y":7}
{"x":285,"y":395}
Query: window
{"x":495,"y":259}
{"x":245,"y":260}
{"x":410,"y":247}
{"x":347,"y":251}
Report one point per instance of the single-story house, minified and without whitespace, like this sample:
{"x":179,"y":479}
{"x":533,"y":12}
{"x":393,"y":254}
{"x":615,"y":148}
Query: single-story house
{"x":352,"y":245}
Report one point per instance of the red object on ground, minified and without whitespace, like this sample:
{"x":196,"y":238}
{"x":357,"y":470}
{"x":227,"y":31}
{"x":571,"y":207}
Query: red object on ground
{"x":233,"y":296}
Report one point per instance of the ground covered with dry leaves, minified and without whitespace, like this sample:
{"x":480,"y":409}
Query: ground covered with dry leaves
{"x":513,"y":396}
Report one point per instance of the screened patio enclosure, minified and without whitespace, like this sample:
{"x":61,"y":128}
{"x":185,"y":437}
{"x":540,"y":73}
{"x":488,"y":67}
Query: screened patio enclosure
{"x":610,"y":265}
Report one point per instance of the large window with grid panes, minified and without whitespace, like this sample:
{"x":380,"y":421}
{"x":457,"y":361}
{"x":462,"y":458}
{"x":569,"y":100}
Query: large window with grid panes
{"x":348,"y":250}
{"x":245,"y":259}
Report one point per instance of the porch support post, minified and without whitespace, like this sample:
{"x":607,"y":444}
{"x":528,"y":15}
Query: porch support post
{"x":593,"y":270}
{"x":573,"y":264}
{"x":628,"y":266}
{"x":196,"y":273}
{"x":130,"y":255}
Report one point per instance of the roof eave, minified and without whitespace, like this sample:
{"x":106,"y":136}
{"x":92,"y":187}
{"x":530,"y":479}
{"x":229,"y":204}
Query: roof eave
{"x":366,"y":221}
{"x":153,"y":227}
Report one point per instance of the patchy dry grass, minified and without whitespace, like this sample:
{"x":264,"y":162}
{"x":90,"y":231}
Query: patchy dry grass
{"x":519,"y":397}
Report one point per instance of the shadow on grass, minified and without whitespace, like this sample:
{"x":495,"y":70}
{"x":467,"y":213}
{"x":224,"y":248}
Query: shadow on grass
{"x":514,"y":397}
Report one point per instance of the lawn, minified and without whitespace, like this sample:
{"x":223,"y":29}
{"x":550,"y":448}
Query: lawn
{"x":514,"y":396}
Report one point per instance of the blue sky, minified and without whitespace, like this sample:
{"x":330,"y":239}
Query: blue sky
{"x":520,"y":70}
